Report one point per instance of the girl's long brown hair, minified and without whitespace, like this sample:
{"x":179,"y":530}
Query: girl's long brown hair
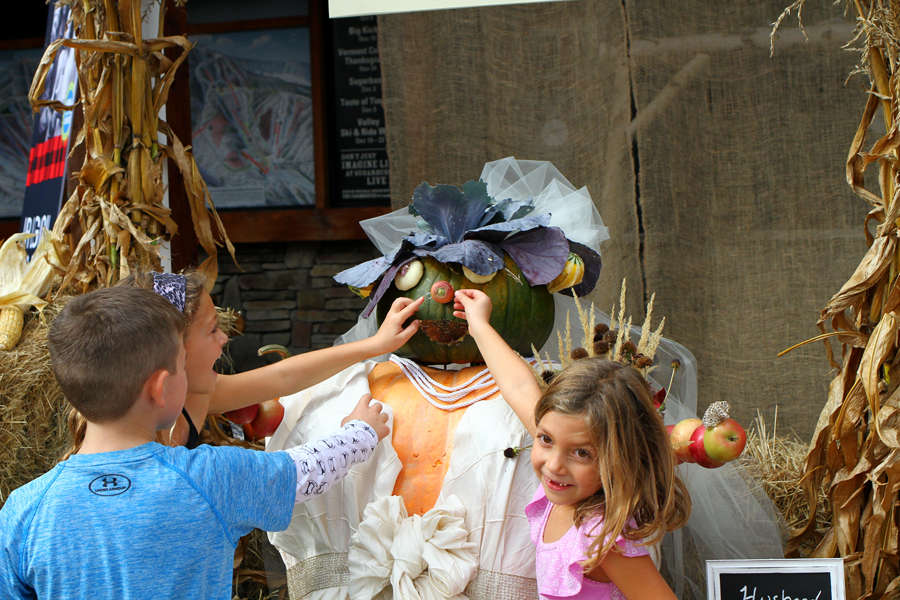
{"x":636,"y":463}
{"x":194,"y":289}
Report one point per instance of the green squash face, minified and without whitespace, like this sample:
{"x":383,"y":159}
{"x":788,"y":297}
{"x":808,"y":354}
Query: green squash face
{"x":522,"y":314}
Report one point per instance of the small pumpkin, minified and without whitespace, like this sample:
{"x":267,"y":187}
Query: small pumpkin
{"x":522,"y":314}
{"x":422,"y":435}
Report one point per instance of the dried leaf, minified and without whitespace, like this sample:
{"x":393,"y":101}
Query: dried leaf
{"x":847,"y":498}
{"x":96,"y":172}
{"x":882,"y":342}
{"x":874,"y":264}
{"x":855,"y":167}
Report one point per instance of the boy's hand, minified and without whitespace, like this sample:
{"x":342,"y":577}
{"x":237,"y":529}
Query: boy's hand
{"x":371,"y":414}
{"x":392,"y":334}
{"x":472,"y":305}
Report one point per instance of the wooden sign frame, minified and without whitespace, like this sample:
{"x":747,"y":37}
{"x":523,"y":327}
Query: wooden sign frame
{"x":834,"y":567}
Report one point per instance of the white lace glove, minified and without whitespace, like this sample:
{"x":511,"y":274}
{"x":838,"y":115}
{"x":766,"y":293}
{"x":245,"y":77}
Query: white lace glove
{"x":323,"y":462}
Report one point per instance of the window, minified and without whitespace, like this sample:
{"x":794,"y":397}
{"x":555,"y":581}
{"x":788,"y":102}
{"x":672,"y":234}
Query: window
{"x":21,"y":48}
{"x":285,"y":118}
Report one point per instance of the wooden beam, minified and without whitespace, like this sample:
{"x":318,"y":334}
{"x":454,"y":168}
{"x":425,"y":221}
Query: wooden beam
{"x":299,"y":224}
{"x":247,"y":25}
{"x":178,"y":116}
{"x":8,"y":227}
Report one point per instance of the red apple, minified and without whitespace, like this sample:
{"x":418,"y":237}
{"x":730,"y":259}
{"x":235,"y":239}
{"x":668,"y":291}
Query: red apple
{"x":268,"y":418}
{"x":242,"y":416}
{"x":698,"y":450}
{"x":724,"y":442}
{"x":681,"y":436}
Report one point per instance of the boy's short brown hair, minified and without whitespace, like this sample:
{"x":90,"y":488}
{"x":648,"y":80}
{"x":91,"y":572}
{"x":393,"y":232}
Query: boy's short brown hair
{"x":105,"y":344}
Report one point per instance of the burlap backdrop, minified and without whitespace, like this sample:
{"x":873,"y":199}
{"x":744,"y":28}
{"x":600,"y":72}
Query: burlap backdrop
{"x":739,"y":218}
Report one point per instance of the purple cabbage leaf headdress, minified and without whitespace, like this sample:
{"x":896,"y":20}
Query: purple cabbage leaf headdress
{"x":469,"y":227}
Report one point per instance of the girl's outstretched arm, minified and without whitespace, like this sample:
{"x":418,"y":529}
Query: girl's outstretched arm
{"x":299,"y":372}
{"x":513,"y":376}
{"x":636,"y":577}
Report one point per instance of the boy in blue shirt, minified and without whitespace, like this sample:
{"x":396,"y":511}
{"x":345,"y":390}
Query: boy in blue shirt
{"x":130,"y":519}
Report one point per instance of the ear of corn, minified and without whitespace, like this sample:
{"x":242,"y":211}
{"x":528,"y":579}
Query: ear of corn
{"x":22,"y":284}
{"x":11,"y":320}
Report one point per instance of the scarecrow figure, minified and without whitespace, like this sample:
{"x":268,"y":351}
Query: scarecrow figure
{"x":438,"y":511}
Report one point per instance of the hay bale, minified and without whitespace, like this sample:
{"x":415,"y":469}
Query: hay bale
{"x":33,"y":430}
{"x":778,"y":464}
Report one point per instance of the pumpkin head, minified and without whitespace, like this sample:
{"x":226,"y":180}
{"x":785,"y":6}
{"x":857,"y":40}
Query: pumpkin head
{"x":522,"y":314}
{"x":467,"y":239}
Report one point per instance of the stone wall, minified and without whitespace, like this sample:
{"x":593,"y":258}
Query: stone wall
{"x":286,"y":295}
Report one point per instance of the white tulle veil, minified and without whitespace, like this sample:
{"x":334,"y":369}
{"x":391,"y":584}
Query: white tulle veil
{"x":732,"y":518}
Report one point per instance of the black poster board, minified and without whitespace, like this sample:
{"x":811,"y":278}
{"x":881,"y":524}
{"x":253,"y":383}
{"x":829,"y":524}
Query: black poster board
{"x":46,"y":179}
{"x":789,"y":579}
{"x":358,"y":147}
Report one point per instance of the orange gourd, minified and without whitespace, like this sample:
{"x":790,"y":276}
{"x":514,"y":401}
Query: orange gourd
{"x":422,"y":433}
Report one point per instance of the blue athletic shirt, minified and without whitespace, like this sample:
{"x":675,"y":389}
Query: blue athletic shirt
{"x":148,"y":522}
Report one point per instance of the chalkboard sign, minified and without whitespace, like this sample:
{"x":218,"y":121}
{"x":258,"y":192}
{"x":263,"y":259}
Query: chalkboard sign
{"x":359,"y":147}
{"x":789,"y":579}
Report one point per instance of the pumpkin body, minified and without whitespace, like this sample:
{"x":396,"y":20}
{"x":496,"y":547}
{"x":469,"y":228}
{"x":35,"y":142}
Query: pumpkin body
{"x":522,"y":314}
{"x":422,"y":433}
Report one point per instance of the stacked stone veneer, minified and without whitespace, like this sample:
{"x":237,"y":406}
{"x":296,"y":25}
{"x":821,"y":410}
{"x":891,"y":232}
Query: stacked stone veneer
{"x":287,"y":296}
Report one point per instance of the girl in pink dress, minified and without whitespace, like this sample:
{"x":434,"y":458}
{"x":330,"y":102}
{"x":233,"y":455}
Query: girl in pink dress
{"x":609,"y":484}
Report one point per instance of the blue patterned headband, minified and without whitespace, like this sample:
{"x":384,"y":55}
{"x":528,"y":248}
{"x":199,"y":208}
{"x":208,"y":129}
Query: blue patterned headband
{"x":172,"y":287}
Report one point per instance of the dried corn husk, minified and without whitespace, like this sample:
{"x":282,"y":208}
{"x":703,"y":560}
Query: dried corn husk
{"x":23,"y":285}
{"x":116,"y":208}
{"x":854,"y":456}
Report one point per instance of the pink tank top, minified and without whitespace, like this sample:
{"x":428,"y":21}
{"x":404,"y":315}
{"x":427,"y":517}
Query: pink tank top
{"x":559,"y":574}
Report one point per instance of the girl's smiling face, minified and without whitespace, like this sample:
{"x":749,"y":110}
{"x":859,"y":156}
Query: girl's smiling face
{"x":565,"y":459}
{"x":203,"y":343}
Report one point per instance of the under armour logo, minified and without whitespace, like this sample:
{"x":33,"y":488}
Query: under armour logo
{"x":110,"y":485}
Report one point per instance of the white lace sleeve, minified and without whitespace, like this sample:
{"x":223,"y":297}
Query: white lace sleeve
{"x":321,"y":463}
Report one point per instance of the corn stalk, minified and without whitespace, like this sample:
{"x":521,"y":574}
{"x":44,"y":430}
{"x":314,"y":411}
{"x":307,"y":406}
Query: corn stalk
{"x":115,"y":219}
{"x":854,"y":454}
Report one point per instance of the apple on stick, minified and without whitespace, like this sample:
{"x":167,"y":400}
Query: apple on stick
{"x":719,"y":439}
{"x":680,"y":436}
{"x":710,"y":442}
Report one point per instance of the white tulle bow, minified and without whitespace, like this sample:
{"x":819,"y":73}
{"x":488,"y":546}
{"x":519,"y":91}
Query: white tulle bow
{"x":423,"y":557}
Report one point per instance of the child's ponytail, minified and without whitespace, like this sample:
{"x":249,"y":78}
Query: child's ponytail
{"x":77,"y":427}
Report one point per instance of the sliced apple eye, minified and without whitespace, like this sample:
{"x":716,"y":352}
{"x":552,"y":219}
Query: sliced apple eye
{"x":409,"y":275}
{"x":442,"y":292}
{"x":475,"y":277}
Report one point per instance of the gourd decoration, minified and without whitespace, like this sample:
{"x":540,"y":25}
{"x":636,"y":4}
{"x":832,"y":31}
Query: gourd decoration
{"x":466,"y":239}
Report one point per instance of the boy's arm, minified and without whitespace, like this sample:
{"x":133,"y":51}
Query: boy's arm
{"x":513,"y":375}
{"x":299,"y":372}
{"x":13,"y":517}
{"x":322,"y":463}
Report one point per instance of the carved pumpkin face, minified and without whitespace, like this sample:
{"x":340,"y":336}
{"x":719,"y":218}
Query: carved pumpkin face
{"x":522,"y":314}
